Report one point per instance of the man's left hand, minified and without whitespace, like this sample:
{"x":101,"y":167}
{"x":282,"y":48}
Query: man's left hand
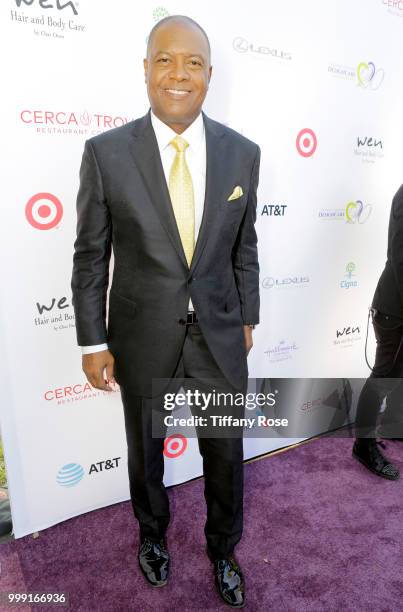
{"x":247,"y":330}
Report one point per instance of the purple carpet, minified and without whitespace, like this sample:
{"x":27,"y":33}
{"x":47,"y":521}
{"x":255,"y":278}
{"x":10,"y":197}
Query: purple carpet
{"x":321,"y":534}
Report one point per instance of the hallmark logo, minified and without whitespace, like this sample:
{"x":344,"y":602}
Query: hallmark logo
{"x":347,"y":336}
{"x":369,"y":149}
{"x":273,"y":210}
{"x":46,"y":4}
{"x":281,"y":351}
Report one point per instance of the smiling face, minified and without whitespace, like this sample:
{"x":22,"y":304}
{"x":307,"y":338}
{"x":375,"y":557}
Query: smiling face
{"x":177,"y":73}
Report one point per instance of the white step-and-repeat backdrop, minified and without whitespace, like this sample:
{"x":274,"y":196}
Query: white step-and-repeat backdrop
{"x":316,"y":83}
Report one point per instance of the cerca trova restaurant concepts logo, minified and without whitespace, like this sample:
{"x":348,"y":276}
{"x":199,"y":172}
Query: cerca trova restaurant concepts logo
{"x":68,"y":122}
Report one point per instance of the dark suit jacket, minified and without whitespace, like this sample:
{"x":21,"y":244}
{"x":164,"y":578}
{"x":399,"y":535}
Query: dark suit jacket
{"x":123,"y":203}
{"x":388,"y":296}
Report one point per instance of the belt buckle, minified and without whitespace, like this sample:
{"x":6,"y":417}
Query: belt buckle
{"x":191,"y":318}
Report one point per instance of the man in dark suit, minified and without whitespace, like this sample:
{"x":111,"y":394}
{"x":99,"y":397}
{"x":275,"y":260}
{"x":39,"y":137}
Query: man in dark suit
{"x":174,"y":195}
{"x":387,"y":373}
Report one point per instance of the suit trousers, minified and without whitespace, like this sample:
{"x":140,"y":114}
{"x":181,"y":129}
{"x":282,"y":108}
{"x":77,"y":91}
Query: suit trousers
{"x":385,"y":381}
{"x":222,"y":456}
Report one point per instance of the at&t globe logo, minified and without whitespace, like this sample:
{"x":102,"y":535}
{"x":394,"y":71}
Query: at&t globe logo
{"x":44,"y":211}
{"x":70,"y":475}
{"x":306,"y":142}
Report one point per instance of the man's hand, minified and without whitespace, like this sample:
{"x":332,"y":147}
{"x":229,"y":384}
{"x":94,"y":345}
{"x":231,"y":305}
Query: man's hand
{"x":94,"y":365}
{"x":247,"y":330}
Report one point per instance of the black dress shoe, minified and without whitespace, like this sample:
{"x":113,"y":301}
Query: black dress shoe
{"x":368,"y":454}
{"x":154,"y":562}
{"x":229,"y":582}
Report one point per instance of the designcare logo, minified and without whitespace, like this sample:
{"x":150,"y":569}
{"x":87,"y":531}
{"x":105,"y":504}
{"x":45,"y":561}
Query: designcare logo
{"x":76,"y":392}
{"x":71,"y":474}
{"x":369,"y":76}
{"x":69,"y":122}
{"x":349,"y":282}
{"x":285,"y":282}
{"x":242,"y":45}
{"x":44,"y":211}
{"x":366,"y":75}
{"x":306,"y":142}
{"x":354,"y":213}
{"x":273,"y":210}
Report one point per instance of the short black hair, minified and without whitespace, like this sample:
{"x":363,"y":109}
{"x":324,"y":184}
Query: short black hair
{"x":177,"y":18}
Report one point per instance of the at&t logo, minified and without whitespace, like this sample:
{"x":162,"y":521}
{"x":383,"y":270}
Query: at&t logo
{"x":70,"y":474}
{"x":306,"y":142}
{"x":44,"y":211}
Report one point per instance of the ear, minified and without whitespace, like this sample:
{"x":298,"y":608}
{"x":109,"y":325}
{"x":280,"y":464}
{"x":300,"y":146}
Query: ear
{"x":210,"y":70}
{"x":145,"y":64}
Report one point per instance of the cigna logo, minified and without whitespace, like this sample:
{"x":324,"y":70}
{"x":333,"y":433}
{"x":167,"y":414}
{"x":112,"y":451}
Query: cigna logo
{"x":356,"y":212}
{"x":48,"y":4}
{"x":369,"y":76}
{"x":348,"y":282}
{"x":44,"y":211}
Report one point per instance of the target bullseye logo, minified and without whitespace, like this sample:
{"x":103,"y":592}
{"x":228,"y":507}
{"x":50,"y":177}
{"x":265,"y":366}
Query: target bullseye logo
{"x":44,"y":211}
{"x":175,"y":445}
{"x":306,"y":142}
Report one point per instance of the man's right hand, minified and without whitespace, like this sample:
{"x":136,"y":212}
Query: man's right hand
{"x":94,"y":365}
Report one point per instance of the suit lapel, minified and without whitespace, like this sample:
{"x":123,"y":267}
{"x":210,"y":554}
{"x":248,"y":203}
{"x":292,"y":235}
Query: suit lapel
{"x":215,"y":161}
{"x":145,"y":152}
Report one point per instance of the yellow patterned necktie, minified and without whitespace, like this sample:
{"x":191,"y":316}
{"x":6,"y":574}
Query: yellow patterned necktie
{"x":182,"y":197}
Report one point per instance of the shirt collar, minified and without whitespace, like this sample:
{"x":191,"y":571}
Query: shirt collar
{"x":194,"y":134}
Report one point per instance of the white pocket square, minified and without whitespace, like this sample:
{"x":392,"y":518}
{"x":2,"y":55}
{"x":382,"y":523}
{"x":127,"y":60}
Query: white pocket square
{"x":237,"y":193}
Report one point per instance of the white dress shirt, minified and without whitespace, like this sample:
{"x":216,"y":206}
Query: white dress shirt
{"x":195,"y":155}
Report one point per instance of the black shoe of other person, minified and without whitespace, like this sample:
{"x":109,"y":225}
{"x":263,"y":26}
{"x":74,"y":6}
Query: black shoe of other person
{"x":366,"y":451}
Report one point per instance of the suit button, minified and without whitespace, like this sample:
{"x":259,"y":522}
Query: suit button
{"x":182,"y":322}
